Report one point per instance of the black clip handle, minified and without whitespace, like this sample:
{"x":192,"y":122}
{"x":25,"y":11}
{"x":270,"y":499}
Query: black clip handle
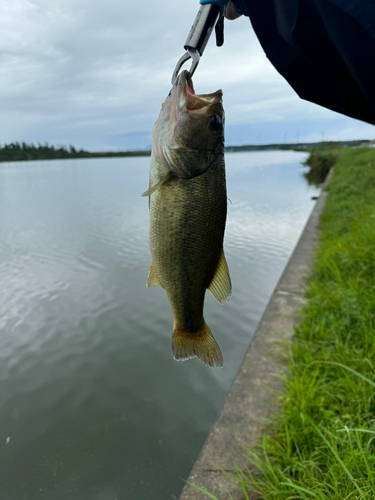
{"x":219,"y":32}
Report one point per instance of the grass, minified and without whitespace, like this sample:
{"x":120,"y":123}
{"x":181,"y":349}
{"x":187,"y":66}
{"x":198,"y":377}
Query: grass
{"x":320,"y":160}
{"x":321,"y":443}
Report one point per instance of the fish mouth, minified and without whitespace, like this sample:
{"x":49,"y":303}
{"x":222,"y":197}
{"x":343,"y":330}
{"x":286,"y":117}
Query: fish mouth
{"x":187,"y":97}
{"x":184,"y":83}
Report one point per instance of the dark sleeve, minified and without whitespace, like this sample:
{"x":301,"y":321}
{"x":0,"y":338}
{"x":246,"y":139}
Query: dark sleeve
{"x":325,"y":49}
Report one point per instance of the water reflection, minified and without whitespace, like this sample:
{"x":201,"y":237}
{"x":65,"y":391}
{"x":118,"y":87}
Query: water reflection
{"x":92,"y":404}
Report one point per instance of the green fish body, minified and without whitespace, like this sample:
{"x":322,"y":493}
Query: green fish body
{"x":188,"y":207}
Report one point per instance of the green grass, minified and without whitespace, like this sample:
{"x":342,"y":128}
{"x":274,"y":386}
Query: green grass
{"x":320,"y":160}
{"x":321,"y":443}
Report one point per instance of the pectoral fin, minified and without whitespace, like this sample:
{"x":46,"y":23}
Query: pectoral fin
{"x":220,"y":286}
{"x":164,"y":180}
{"x":152,"y":279}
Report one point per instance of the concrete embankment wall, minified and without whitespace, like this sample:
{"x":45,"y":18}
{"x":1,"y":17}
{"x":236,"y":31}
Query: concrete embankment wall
{"x":253,"y":395}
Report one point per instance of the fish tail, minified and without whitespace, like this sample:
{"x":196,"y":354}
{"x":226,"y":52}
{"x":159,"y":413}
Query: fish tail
{"x":201,"y":344}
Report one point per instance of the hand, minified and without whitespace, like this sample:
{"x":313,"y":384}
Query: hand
{"x":230,"y":12}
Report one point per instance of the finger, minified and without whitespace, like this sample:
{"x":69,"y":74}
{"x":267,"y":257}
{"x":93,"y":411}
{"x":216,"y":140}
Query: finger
{"x":230,"y":12}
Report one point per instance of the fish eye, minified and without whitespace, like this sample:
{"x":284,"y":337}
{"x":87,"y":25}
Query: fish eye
{"x":214,"y":122}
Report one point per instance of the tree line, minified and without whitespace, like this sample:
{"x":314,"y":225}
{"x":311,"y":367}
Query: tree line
{"x":21,"y":151}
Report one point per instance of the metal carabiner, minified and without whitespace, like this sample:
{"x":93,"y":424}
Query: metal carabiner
{"x":210,"y":16}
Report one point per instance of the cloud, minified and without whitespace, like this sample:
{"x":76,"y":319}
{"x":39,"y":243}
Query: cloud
{"x":84,"y":71}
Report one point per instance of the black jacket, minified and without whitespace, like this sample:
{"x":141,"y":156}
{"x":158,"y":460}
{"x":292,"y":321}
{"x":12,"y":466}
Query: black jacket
{"x":325,"y":49}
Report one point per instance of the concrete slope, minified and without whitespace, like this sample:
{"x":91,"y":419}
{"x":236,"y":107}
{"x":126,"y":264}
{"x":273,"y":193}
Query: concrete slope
{"x":253,"y":395}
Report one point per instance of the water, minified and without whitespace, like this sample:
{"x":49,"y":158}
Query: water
{"x":92,"y":404}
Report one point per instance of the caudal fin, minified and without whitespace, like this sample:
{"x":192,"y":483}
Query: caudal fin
{"x":201,"y":344}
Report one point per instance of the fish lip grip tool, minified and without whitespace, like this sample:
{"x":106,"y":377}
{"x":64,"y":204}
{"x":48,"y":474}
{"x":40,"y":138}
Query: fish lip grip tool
{"x":210,"y":16}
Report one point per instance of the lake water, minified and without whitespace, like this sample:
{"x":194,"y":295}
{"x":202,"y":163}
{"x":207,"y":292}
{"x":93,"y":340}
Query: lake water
{"x":92,"y":404}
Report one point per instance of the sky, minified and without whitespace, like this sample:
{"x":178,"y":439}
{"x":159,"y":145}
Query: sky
{"x":94,"y":73}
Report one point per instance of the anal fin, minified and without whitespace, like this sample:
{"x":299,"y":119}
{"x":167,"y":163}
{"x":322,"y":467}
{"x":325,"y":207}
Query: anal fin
{"x":152,"y":279}
{"x":220,"y":286}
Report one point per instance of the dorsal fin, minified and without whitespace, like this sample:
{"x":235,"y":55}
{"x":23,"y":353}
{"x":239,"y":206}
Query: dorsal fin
{"x":220,"y":286}
{"x":152,"y":279}
{"x":164,"y":180}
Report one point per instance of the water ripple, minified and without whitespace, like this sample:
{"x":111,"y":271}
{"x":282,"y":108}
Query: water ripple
{"x":90,"y":396}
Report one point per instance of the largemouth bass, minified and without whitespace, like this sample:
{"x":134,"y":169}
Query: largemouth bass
{"x":188,"y":207}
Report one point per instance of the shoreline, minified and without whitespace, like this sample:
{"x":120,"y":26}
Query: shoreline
{"x":241,"y":421}
{"x":28,"y":152}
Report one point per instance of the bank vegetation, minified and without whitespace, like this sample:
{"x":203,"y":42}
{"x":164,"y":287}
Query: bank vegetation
{"x":321,"y":442}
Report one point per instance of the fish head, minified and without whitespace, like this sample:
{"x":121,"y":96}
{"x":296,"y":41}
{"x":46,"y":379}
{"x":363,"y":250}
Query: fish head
{"x":189,"y":132}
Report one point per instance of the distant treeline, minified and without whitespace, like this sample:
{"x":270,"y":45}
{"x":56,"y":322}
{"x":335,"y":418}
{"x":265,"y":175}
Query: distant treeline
{"x":296,"y":146}
{"x":20,"y":151}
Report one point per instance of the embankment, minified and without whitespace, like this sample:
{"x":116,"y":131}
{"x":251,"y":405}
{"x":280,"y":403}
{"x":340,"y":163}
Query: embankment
{"x":318,"y":384}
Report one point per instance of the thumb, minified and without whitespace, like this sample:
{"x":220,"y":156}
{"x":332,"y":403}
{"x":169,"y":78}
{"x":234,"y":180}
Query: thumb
{"x":230,"y":12}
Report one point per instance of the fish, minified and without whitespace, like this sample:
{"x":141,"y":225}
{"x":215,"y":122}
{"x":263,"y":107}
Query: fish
{"x":188,"y":210}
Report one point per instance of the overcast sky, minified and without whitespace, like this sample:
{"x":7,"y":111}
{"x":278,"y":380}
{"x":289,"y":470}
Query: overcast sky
{"x":93,"y":73}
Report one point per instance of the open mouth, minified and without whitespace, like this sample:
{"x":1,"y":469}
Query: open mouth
{"x":189,"y":85}
{"x":195,"y":101}
{"x":185,"y":83}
